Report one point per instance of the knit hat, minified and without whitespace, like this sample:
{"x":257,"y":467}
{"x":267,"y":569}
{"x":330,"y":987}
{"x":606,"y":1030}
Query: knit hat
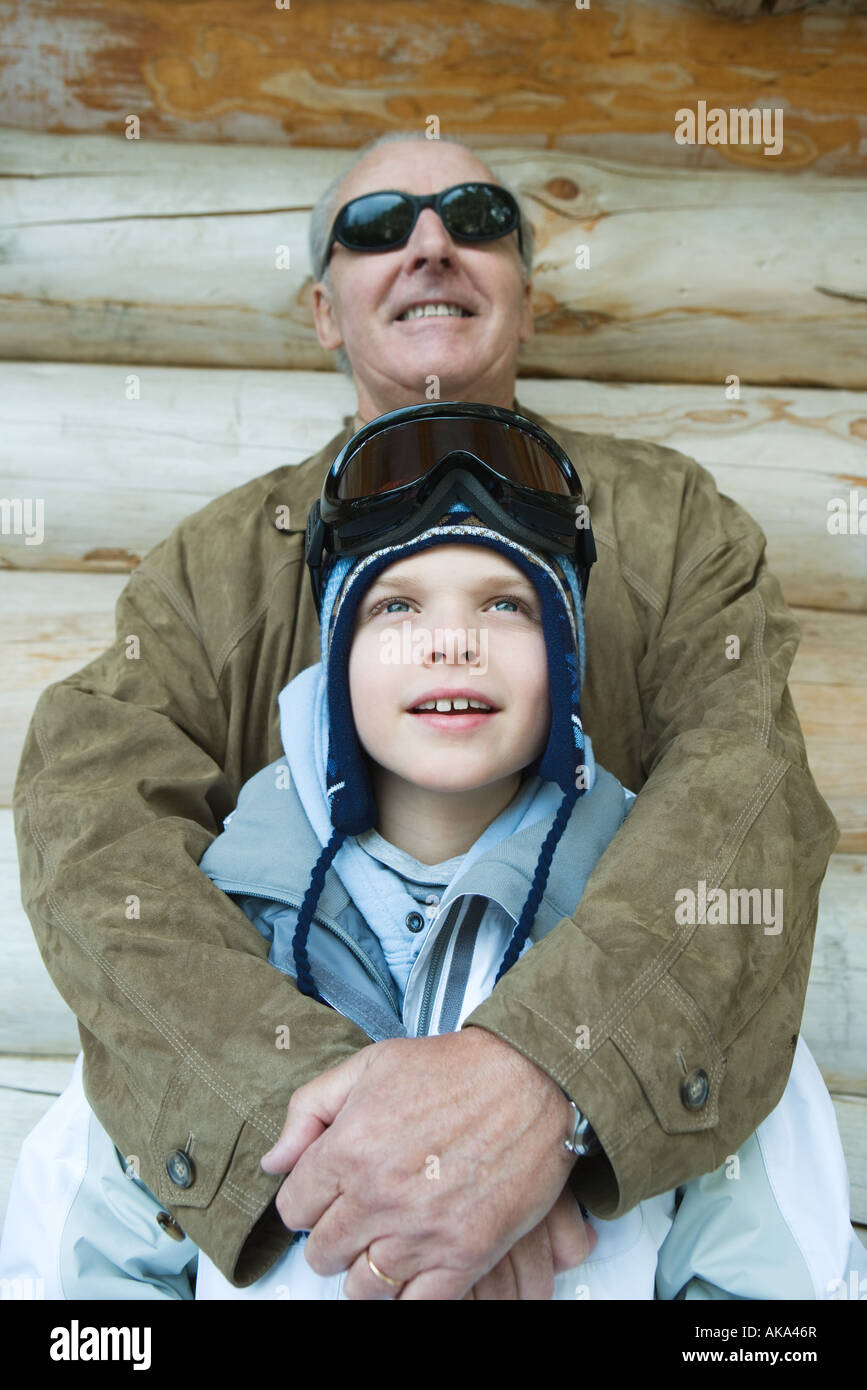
{"x":350,"y":796}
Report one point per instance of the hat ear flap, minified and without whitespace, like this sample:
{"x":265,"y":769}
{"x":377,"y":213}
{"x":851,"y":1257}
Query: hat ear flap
{"x":564,"y":751}
{"x":350,"y":795}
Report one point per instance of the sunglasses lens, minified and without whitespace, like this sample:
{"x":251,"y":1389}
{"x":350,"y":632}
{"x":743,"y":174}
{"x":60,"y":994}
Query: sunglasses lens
{"x":471,"y":211}
{"x":404,"y":453}
{"x":375,"y":221}
{"x":477,"y":211}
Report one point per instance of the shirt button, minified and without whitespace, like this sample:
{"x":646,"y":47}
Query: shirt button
{"x":415,"y":921}
{"x":694,"y":1089}
{"x":179,"y":1167}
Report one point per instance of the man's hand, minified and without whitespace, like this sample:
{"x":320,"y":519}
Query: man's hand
{"x":559,"y":1242}
{"x":438,"y":1154}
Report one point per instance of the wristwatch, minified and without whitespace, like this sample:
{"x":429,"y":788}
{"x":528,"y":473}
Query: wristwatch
{"x":582,"y":1142}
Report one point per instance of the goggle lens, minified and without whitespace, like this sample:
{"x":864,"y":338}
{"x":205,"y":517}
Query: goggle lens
{"x":406,"y":452}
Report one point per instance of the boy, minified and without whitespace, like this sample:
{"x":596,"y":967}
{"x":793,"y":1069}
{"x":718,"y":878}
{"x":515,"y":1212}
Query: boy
{"x":374,"y":776}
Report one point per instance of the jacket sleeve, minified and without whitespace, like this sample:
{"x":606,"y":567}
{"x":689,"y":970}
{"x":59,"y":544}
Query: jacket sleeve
{"x":183,"y":1022}
{"x":676,"y":1037}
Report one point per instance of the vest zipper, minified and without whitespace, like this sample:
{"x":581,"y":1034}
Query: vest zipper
{"x":435,"y":966}
{"x":291,"y":901}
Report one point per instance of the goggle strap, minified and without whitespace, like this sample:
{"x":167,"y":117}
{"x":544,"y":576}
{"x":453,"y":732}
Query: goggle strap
{"x":460,"y":486}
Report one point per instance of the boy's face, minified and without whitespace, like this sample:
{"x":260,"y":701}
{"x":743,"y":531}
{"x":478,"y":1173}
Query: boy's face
{"x":452,"y":618}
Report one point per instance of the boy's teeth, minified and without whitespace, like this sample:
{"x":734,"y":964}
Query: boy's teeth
{"x":429,"y":310}
{"x":460,"y":702}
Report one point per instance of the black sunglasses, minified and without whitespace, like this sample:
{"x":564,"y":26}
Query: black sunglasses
{"x":383,"y":221}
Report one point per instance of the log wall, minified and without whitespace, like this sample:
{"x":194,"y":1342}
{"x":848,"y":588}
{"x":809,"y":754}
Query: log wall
{"x":603,"y":82}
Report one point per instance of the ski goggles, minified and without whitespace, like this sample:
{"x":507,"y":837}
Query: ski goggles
{"x":398,"y":475}
{"x":383,"y":221}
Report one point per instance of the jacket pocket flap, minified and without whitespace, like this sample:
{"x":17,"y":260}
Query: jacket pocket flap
{"x":195,"y":1136}
{"x":675,"y":1057}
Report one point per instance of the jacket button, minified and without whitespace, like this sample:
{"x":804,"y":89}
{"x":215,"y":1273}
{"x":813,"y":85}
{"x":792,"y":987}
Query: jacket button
{"x":415,"y":921}
{"x":168,"y":1224}
{"x":694,"y":1089}
{"x":179,"y":1167}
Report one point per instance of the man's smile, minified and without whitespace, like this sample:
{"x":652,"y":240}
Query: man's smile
{"x":424,"y":309}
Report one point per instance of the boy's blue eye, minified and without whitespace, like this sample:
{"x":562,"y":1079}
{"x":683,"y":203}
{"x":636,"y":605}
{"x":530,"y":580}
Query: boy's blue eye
{"x":386,"y":605}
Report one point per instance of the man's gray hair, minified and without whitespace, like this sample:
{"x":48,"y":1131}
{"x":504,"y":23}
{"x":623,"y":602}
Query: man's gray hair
{"x":326,"y":208}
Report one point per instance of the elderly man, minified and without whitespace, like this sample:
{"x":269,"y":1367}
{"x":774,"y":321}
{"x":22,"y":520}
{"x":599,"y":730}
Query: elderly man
{"x":674,"y":1040}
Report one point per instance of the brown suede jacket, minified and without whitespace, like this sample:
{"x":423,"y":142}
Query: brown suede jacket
{"x":131,"y":764}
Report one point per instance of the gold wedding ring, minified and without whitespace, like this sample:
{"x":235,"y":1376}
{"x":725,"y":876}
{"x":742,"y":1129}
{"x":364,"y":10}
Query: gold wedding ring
{"x":393,"y":1283}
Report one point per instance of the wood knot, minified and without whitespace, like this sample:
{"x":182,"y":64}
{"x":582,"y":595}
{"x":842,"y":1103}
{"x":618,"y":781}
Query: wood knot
{"x":562,"y":188}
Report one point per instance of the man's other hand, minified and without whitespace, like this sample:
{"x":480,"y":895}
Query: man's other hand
{"x":559,"y":1242}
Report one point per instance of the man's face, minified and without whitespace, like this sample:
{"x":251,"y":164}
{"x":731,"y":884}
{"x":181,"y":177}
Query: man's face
{"x":475,"y":357}
{"x":452,"y":617}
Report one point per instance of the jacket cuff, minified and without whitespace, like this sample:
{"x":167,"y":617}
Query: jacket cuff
{"x":631,"y":1119}
{"x":240,"y":1208}
{"x":227,"y":1205}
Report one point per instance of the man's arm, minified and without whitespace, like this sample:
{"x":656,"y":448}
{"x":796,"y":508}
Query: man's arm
{"x":672,"y":1009}
{"x":121,"y":787}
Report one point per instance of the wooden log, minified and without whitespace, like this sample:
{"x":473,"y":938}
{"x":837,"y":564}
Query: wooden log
{"x":34,"y":1019}
{"x":46,"y":1076}
{"x":116,"y":475}
{"x":747,"y":9}
{"x":834,"y":1024}
{"x":834,"y":722}
{"x":604,"y":82}
{"x":829,"y":687}
{"x":125,"y":251}
{"x":20,"y":1112}
{"x":833,"y":649}
{"x":53,"y":626}
{"x":851,"y":1112}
